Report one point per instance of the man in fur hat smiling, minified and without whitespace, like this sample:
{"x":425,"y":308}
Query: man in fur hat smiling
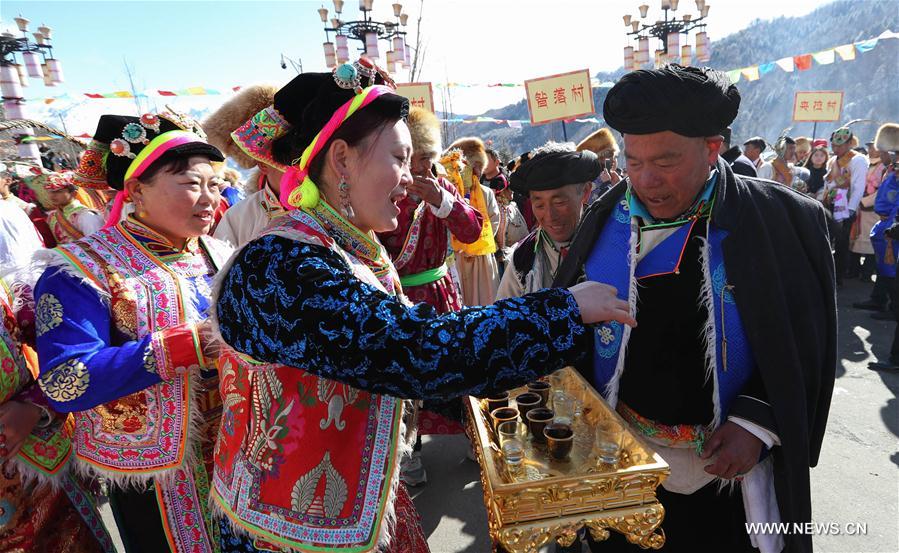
{"x":432,"y":211}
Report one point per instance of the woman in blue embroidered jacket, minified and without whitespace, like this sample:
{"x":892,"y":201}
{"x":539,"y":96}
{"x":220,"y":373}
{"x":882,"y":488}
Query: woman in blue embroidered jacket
{"x":322,"y":342}
{"x":121,"y":336}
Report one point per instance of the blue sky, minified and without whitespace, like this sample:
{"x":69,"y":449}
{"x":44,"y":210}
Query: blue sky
{"x":174,"y":44}
{"x":220,"y":44}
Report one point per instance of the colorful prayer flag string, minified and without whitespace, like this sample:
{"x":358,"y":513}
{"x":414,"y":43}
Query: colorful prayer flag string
{"x":801,"y":62}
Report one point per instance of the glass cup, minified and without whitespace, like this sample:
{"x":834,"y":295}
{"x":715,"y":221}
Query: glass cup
{"x":509,"y":430}
{"x":608,"y":441}
{"x":559,"y":440}
{"x":556,"y":380}
{"x":564,"y":406}
{"x":526,"y":402}
{"x":513,"y":454}
{"x":502,"y":415}
{"x":537,"y":420}
{"x":540,"y":388}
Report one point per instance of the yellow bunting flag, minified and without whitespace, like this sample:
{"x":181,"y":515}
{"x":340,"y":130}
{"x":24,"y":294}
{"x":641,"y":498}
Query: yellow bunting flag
{"x":751,"y":73}
{"x":846,"y":51}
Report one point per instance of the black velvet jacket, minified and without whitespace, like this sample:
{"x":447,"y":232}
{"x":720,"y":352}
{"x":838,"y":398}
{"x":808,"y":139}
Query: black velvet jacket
{"x":778,"y":259}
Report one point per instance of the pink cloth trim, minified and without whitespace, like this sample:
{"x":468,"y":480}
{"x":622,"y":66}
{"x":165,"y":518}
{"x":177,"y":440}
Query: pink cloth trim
{"x":298,"y":174}
{"x":115,"y":214}
{"x":158,"y":151}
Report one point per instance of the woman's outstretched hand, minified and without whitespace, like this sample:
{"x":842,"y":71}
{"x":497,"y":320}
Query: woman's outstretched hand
{"x":599,"y":302}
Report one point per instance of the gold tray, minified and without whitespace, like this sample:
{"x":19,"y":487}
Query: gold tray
{"x":551,"y":499}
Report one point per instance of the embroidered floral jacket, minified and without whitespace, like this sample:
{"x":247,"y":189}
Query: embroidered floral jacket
{"x":116,"y":325}
{"x":322,"y":348}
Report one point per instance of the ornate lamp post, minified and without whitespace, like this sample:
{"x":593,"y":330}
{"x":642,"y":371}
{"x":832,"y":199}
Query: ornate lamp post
{"x":667,"y":30}
{"x":369,"y":33}
{"x":38,"y":60}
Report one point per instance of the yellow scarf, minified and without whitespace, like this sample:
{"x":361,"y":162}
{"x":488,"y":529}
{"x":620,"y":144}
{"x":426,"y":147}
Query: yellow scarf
{"x":485,"y":243}
{"x":783,"y":174}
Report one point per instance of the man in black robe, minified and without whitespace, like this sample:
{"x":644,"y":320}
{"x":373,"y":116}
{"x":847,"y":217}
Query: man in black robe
{"x":730,"y":370}
{"x":739,"y":163}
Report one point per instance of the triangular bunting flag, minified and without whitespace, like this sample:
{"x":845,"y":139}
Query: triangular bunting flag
{"x":751,"y":73}
{"x":786,"y":64}
{"x":734,"y":76}
{"x":803,"y":62}
{"x":824,"y":57}
{"x":766,"y":68}
{"x":846,"y":52}
{"x":866,"y":46}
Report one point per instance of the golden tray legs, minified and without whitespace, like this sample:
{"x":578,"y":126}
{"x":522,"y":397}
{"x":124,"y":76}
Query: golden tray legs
{"x":640,"y":525}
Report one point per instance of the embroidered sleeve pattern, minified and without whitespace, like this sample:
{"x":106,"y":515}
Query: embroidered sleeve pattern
{"x":48,"y":314}
{"x":299,"y":305}
{"x":65,"y":382}
{"x":82,"y":362}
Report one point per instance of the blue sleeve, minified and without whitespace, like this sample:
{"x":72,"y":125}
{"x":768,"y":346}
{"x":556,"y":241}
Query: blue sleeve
{"x":80,"y":367}
{"x":300,"y":305}
{"x":233,"y":195}
{"x":886,"y":198}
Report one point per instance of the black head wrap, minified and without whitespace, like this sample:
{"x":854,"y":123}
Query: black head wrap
{"x":551,"y":170}
{"x":310,"y":99}
{"x":689,"y":101}
{"x":100,"y":165}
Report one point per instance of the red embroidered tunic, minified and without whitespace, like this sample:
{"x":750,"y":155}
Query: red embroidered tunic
{"x":421,"y":243}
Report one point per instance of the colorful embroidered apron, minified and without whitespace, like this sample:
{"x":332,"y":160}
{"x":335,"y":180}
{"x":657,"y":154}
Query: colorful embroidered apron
{"x":142,"y":288}
{"x":303,"y":461}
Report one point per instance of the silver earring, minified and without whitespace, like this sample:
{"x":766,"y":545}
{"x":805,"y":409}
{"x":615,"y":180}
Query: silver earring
{"x":345,"y":207}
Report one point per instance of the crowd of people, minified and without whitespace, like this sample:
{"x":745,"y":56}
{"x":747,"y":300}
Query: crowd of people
{"x":249,"y":366}
{"x":846,"y":179}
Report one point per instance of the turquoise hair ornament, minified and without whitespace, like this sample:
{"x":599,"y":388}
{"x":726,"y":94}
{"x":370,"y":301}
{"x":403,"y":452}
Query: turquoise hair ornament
{"x":346,"y":76}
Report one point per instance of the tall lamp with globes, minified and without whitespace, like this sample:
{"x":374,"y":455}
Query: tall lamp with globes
{"x":667,"y":31}
{"x":37,"y":62}
{"x":369,"y":32}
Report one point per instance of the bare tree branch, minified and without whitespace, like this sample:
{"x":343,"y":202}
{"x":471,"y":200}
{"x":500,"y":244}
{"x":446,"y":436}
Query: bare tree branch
{"x":416,"y":68}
